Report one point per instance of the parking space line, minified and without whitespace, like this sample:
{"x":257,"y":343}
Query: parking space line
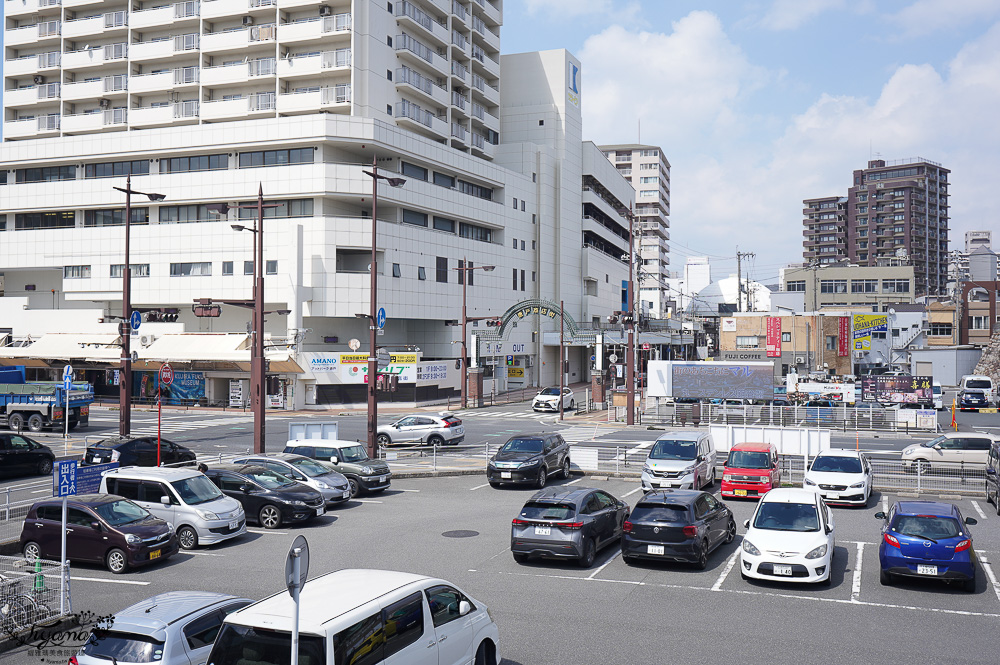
{"x":725,"y":571}
{"x":98,"y":579}
{"x":602,"y":566}
{"x":203,"y":554}
{"x":885,"y":504}
{"x":573,"y":482}
{"x":368,"y":501}
{"x":478,"y":487}
{"x":856,"y":584}
{"x":397,"y":489}
{"x":975,"y":504}
{"x":990,"y":574}
{"x":268,"y":532}
{"x":632,"y":492}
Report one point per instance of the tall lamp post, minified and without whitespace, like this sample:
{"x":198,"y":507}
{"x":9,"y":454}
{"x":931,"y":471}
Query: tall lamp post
{"x":466,"y":272}
{"x":125,"y":380}
{"x":630,"y":318}
{"x":373,"y":306}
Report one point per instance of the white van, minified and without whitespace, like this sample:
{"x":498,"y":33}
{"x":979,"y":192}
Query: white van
{"x":369,"y":616}
{"x":978,"y":382}
{"x":186,"y":498}
{"x":938,"y":396}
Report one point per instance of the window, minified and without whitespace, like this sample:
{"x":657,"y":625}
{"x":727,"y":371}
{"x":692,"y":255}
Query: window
{"x":475,"y":190}
{"x":515,"y":278}
{"x":979,"y":322}
{"x":534,"y":218}
{"x":864,"y":285}
{"x":895,"y":286}
{"x":190,"y":269}
{"x":444,"y":224}
{"x":444,"y":180}
{"x":747,"y":341}
{"x":522,"y":280}
{"x":442,"y":269}
{"x":248,"y":267}
{"x":114,"y":217}
{"x":76,"y":272}
{"x":941,"y":330}
{"x":833,"y":286}
{"x":522,"y":205}
{"x":185,"y":214}
{"x":444,"y":602}
{"x":831,"y":342}
{"x":137,"y":269}
{"x":878,"y":334}
{"x":45,"y":174}
{"x":522,"y":245}
{"x":195,"y":163}
{"x":532,"y":244}
{"x":406,"y":620}
{"x":227,"y":268}
{"x":116,"y":169}
{"x":414,"y":218}
{"x":202,"y":631}
{"x":27,"y":221}
{"x":515,"y":203}
{"x":514,"y":243}
{"x":475,"y":232}
{"x":395,"y":270}
{"x":421,"y":273}
{"x":360,"y":644}
{"x":276,"y":157}
{"x":797,"y":285}
{"x":281,"y":209}
{"x":786,"y":337}
{"x":413,"y":171}
{"x":271,"y":267}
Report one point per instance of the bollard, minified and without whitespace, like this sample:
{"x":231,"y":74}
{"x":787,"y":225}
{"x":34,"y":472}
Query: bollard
{"x":919,"y":474}
{"x":617,"y":453}
{"x":961,"y":471}
{"x":435,"y":461}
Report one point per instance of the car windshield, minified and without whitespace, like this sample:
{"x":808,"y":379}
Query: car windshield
{"x":353,"y":454}
{"x":747,"y":459}
{"x":937,"y":390}
{"x":114,"y":646}
{"x":653,"y":512}
{"x":266,"y":478}
{"x":934,"y":442}
{"x":548,"y":511}
{"x":777,"y":516}
{"x":117,"y":513}
{"x":926,"y":526}
{"x":550,"y":391}
{"x":671,"y":449}
{"x":978,"y":383}
{"x":831,"y":464}
{"x":195,"y":490}
{"x":309,"y":467}
{"x":522,"y":446}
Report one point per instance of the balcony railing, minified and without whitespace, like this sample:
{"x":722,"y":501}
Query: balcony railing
{"x":458,"y":131}
{"x":262,"y":101}
{"x":186,"y":42}
{"x":184,"y":75}
{"x":459,"y":70}
{"x":116,"y":83}
{"x":48,"y":91}
{"x":339,"y":58}
{"x":408,"y":43}
{"x":337,"y":23}
{"x":336,"y":94}
{"x":261,"y":67}
{"x":418,"y":81}
{"x":457,"y":99}
{"x":263,"y":33}
{"x":404,"y":8}
{"x":115,"y":19}
{"x":187,"y":109}
{"x":407,"y":109}
{"x":48,"y":29}
{"x":186,"y":9}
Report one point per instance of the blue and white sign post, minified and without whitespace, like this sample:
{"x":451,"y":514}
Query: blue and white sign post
{"x":67,"y":386}
{"x":380,"y":321}
{"x":135,"y":320}
{"x":64,"y":485}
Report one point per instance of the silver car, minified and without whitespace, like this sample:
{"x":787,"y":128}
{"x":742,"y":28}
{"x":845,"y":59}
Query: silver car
{"x":173,"y":628}
{"x":444,"y":428}
{"x":332,"y":485}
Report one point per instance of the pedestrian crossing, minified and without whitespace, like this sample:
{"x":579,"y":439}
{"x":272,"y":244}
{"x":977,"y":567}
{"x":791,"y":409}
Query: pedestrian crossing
{"x":519,"y":414}
{"x":145,"y":427}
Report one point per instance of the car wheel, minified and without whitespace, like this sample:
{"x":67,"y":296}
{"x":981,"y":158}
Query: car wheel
{"x":542,"y":477}
{"x":32,"y":552}
{"x":355,"y":486}
{"x":565,"y":469}
{"x":35,"y":422}
{"x":269,"y":517}
{"x":435,"y":441}
{"x":589,"y":552}
{"x":996,"y":501}
{"x":731,"y":532}
{"x":711,"y":478}
{"x":45,"y":467}
{"x":702,"y":561}
{"x":481,"y":654}
{"x":116,"y":561}
{"x":629,"y":560}
{"x":187,"y":538}
{"x":520,"y":558}
{"x":969,"y":585}
{"x":383,"y":440}
{"x":884,"y":578}
{"x":572,"y":405}
{"x":16,"y":422}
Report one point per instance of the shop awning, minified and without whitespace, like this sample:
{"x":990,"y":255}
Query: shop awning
{"x":67,"y":346}
{"x":198,"y":346}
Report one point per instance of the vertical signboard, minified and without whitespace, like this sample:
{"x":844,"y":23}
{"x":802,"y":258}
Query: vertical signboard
{"x":773,"y":343}
{"x":844,"y":336}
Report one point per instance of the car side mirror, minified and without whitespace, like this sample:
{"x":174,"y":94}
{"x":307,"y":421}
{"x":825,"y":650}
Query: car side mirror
{"x":971,"y":521}
{"x":96,"y":526}
{"x":165,"y":500}
{"x":464,"y":608}
{"x":937,"y":446}
{"x":334,"y":460}
{"x":828,"y":529}
{"x":245,"y":488}
{"x":880,"y":515}
{"x":746,"y":524}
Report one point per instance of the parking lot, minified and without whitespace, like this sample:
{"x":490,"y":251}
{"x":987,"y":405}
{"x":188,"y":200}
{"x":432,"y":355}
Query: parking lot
{"x":556,"y":612}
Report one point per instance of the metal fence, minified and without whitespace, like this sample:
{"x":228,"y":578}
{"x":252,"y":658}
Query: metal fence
{"x":12,"y":514}
{"x":830,"y":417}
{"x":31,"y":593}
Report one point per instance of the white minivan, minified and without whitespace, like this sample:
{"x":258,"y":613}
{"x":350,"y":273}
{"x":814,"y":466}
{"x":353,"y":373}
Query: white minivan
{"x":977,"y":382}
{"x":364,"y":616}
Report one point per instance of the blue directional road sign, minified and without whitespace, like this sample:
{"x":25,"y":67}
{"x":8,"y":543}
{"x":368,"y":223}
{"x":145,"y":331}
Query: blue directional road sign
{"x":64,"y":479}
{"x":380,"y":317}
{"x":67,"y":383}
{"x":135,"y":320}
{"x":68,"y":371}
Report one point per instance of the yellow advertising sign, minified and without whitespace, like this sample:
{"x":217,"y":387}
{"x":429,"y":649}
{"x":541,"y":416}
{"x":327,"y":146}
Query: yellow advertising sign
{"x":515,"y":372}
{"x":353,"y":358}
{"x":403,"y":358}
{"x":862,"y":327}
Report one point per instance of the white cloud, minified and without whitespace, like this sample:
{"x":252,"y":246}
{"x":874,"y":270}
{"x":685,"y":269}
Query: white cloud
{"x":623,"y":11}
{"x":927,"y":16}
{"x":791,"y":14}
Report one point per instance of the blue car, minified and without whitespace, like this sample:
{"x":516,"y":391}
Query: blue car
{"x":926,"y":539}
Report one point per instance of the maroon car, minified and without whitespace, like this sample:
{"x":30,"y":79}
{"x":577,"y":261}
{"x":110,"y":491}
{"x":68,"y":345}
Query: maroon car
{"x":100,"y":528}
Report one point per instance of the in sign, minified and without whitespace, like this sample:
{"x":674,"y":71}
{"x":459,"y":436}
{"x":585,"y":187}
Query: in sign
{"x":166,"y":374}
{"x":380,"y":317}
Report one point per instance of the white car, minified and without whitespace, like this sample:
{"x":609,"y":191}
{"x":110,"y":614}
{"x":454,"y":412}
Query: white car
{"x":840,"y":476}
{"x":790,"y":538}
{"x":548,"y":400}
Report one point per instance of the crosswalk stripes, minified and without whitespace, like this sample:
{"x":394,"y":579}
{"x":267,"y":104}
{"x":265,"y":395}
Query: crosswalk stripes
{"x":531,"y":415}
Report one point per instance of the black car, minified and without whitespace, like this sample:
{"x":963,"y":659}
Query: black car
{"x":677,"y":525}
{"x":972,"y":399}
{"x":530,"y":459}
{"x":270,"y":498}
{"x":136,"y":451}
{"x":567,"y":522}
{"x":19,"y":454}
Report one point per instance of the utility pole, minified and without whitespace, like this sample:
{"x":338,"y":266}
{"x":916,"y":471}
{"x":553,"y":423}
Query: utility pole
{"x":739,"y":279}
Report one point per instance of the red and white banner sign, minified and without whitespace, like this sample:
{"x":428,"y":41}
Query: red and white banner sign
{"x":844,"y":336}
{"x":773,"y":343}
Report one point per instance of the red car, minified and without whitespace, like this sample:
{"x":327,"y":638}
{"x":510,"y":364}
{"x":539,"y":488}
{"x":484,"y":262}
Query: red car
{"x":751,"y":470}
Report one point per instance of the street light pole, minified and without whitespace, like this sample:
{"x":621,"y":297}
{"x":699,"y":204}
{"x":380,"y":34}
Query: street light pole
{"x":466,"y":272}
{"x":630,"y":352}
{"x":259,"y":364}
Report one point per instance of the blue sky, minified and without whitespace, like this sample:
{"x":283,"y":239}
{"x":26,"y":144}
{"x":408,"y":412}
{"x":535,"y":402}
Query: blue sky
{"x":759,"y":105}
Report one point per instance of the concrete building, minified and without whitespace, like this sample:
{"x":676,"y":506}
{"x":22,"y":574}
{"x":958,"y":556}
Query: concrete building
{"x":874,"y":287}
{"x":203,"y":102}
{"x":647,"y":168}
{"x":978,"y":312}
{"x":892,"y":210}
{"x":974,"y":239}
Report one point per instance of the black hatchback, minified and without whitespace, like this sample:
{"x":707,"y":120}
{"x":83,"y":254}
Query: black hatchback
{"x":19,"y":454}
{"x":529,"y":458}
{"x":136,"y":451}
{"x":677,"y":525}
{"x":269,"y":497}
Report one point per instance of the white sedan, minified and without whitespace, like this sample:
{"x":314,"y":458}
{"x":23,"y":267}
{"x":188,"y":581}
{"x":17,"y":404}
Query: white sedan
{"x":840,"y":476}
{"x":548,"y":400}
{"x":790,"y":538}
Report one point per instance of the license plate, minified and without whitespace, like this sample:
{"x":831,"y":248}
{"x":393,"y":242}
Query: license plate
{"x":543,"y":531}
{"x":833,"y":496}
{"x":234,"y":524}
{"x":782,"y":570}
{"x":347,"y":494}
{"x":320,"y":511}
{"x":654,"y":549}
{"x":155,"y":554}
{"x":740,"y":492}
{"x":381,"y":479}
{"x":505,"y":474}
{"x":926,"y":570}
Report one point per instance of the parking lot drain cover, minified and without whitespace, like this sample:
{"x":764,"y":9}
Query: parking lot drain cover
{"x":460,"y":533}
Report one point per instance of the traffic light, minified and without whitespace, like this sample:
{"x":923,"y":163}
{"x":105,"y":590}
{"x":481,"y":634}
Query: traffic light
{"x":492,"y":323}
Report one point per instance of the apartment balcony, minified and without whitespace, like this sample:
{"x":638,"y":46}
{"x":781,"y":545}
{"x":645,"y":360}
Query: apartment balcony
{"x":412,"y":116}
{"x":83,"y":123}
{"x":163,"y":49}
{"x":320,"y":28}
{"x":224,"y":8}
{"x":260,"y":105}
{"x":482,"y":88}
{"x":175,"y":80}
{"x":488,"y":11}
{"x":481,"y":33}
{"x":26,"y":97}
{"x":225,"y":75}
{"x":161,"y":116}
{"x":327,"y":62}
{"x":481,"y":115}
{"x":481,"y":147}
{"x":461,"y":14}
{"x":414,"y":51}
{"x":295,"y":4}
{"x":333,"y":99}
{"x":14,"y":8}
{"x":82,"y":90}
{"x":460,"y":105}
{"x":459,"y":73}
{"x":237,"y":40}
{"x":414,"y":83}
{"x":72,"y":4}
{"x":414,"y":20}
{"x":654,"y":228}
{"x":179,"y":16}
{"x":42,"y":126}
{"x":36,"y":35}
{"x":105,"y":25}
{"x":484,"y":63}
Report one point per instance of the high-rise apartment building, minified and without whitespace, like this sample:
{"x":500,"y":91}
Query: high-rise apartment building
{"x":894,"y":212}
{"x":203,"y":102}
{"x":649,"y":171}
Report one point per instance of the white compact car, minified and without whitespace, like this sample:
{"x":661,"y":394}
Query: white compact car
{"x":840,"y":476}
{"x":790,"y":538}
{"x":548,"y":400}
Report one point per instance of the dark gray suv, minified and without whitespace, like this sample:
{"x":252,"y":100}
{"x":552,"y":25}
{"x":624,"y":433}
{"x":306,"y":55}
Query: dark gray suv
{"x":529,"y":459}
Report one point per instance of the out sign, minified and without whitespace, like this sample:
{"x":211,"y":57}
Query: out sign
{"x":166,"y":374}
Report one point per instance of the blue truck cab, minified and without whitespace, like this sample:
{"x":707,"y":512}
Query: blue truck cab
{"x":37,"y":405}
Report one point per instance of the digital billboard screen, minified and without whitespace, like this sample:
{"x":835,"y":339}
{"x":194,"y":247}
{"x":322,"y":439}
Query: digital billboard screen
{"x":724,"y":381}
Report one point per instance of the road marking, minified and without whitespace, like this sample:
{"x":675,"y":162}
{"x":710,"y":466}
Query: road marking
{"x":203,"y":554}
{"x":573,"y":482}
{"x":367,"y":501}
{"x":991,"y":575}
{"x":632,"y":492}
{"x":975,"y":504}
{"x":885,"y":504}
{"x":98,"y":579}
{"x":478,"y":487}
{"x":725,"y":571}
{"x":856,"y":585}
{"x":397,"y":489}
{"x":41,"y":491}
{"x":268,"y":532}
{"x":602,"y":566}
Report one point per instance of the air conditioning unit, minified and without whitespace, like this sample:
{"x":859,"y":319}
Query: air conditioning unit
{"x":799,"y":360}
{"x":146,"y":340}
{"x":325,"y":10}
{"x":38,"y":79}
{"x":105,"y":103}
{"x":248,"y":20}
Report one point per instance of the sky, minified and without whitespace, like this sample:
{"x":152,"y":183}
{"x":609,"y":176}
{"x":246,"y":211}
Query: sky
{"x":758,"y":105}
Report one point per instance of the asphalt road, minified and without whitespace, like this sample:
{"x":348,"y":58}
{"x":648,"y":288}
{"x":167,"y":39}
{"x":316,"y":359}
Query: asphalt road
{"x":612,"y":613}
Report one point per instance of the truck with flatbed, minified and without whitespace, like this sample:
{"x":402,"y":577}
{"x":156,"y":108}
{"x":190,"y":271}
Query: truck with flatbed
{"x":38,"y":405}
